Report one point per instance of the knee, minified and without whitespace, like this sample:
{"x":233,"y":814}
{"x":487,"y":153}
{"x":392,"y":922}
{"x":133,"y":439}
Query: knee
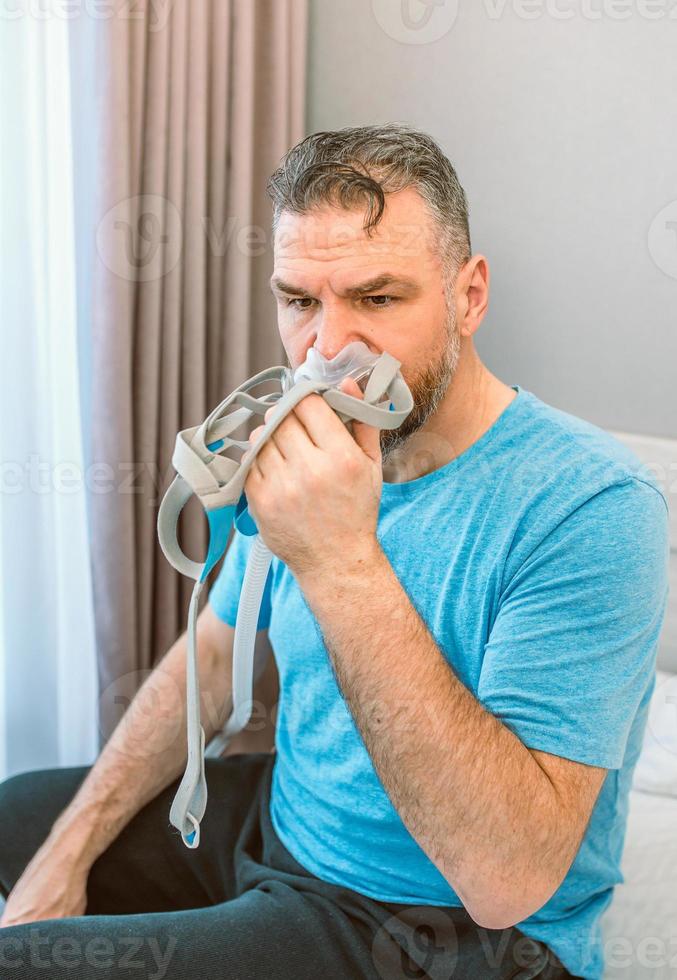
{"x":23,"y":792}
{"x":38,"y":795}
{"x":14,"y":793}
{"x":30,"y":802}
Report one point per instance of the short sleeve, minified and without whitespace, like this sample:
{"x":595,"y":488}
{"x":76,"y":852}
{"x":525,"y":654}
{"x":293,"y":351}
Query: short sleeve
{"x":572,"y":650}
{"x":224,"y":595}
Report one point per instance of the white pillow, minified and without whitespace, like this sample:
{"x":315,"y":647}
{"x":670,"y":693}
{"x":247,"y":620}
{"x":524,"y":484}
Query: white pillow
{"x":656,"y":770}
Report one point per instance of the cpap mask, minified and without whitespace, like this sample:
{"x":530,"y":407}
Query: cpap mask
{"x":354,"y":361}
{"x":218,"y":481}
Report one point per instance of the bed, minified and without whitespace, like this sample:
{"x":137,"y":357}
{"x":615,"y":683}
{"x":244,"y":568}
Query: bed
{"x":640,"y":926}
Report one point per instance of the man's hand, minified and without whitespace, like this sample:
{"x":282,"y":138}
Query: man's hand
{"x":314,"y":489}
{"x":53,"y":886}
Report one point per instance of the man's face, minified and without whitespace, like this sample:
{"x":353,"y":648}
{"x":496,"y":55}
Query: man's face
{"x":333,"y":284}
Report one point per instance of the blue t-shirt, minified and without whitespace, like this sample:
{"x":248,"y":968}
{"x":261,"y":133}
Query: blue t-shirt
{"x":538,"y":560}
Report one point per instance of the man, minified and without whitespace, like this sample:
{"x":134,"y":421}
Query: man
{"x":464,"y":616}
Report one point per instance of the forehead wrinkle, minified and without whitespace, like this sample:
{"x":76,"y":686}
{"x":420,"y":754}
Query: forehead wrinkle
{"x":340,"y":242}
{"x":300,"y":249}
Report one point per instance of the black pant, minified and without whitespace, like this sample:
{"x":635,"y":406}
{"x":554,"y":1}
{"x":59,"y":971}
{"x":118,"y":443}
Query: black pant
{"x":239,"y":906}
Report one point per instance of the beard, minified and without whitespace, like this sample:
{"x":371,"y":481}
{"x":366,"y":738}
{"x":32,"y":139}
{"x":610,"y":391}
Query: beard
{"x":428,"y":388}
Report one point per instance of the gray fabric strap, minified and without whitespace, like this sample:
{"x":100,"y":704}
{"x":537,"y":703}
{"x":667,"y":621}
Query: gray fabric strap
{"x":218,"y":482}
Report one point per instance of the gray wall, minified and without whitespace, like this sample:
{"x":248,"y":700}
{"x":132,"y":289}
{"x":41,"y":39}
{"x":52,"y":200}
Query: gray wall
{"x":564,"y":134}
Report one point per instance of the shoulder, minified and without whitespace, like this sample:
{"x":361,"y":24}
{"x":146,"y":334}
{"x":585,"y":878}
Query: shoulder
{"x":563,"y":461}
{"x":571,"y":484}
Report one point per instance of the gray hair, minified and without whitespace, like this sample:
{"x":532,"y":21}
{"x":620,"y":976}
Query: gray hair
{"x":357,"y":166}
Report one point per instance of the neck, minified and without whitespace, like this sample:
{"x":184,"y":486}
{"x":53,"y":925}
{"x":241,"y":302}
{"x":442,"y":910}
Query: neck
{"x":473,"y":401}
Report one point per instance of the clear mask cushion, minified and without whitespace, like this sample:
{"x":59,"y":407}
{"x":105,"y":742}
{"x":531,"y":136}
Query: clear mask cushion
{"x":354,"y":361}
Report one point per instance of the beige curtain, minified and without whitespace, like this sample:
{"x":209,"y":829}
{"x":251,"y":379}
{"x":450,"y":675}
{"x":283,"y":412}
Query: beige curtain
{"x":199,"y":101}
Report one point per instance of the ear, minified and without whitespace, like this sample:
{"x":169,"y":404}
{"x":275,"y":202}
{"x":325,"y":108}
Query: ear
{"x":472,"y":294}
{"x":366,"y":436}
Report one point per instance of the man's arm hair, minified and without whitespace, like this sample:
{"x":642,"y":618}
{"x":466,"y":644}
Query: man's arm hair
{"x":147,"y":750}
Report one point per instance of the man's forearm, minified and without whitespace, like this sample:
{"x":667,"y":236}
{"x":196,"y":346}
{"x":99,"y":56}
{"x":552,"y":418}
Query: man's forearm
{"x":468,"y":790}
{"x":145,"y":753}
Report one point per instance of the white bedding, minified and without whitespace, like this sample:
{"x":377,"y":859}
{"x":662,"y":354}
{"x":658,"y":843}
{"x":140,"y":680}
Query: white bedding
{"x":656,"y":770}
{"x":640,"y":927}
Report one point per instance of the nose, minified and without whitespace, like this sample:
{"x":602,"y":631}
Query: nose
{"x":334,"y":332}
{"x":332,"y":338}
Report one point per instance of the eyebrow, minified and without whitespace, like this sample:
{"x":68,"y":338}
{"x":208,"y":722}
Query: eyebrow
{"x":404,"y":283}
